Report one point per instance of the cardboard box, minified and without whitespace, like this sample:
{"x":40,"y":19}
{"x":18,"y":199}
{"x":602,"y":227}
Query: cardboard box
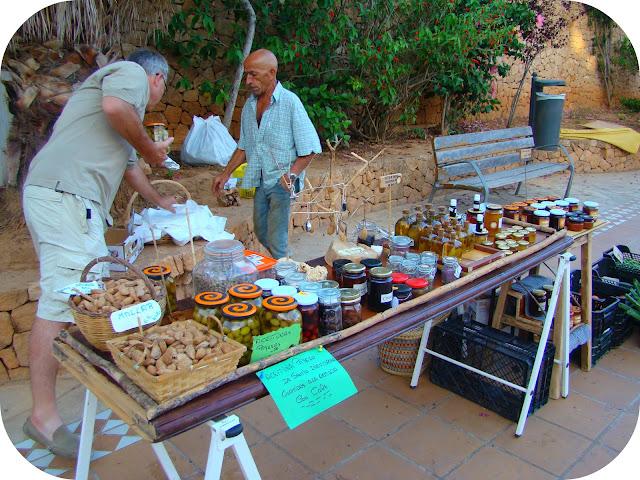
{"x":122,"y":245}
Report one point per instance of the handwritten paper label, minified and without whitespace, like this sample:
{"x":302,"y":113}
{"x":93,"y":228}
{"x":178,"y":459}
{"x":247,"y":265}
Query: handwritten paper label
{"x":127,"y":318}
{"x":84,"y":287}
{"x":275,"y":342}
{"x":526,"y":153}
{"x":391,"y":179}
{"x":306,"y":385}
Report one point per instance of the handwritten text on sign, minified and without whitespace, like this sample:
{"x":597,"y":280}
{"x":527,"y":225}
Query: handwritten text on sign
{"x":84,"y":287}
{"x":127,"y":318}
{"x":306,"y":385}
{"x":275,"y":342}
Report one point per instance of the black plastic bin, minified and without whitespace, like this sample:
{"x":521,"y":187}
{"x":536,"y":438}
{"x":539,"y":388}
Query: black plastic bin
{"x":494,"y":352}
{"x":601,"y":318}
{"x":622,"y":271}
{"x":599,"y":346}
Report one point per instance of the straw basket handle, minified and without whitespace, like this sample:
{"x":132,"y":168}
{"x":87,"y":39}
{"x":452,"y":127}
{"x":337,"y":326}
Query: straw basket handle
{"x":133,"y":268}
{"x":219,"y":323}
{"x":154,"y":182}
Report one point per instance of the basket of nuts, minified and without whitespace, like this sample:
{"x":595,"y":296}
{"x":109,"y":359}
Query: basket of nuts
{"x":92,"y":311}
{"x":170,"y":360}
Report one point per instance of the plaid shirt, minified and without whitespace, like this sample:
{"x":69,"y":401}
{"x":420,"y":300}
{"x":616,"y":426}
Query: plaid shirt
{"x":285,"y":133}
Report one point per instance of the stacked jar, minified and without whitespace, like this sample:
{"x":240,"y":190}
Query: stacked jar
{"x":350,"y":306}
{"x":310,"y":311}
{"x":241,"y":323}
{"x":246,"y":293}
{"x":330,"y":311}
{"x":267,"y":285}
{"x":354,"y":276}
{"x":279,"y":312}
{"x":208,"y":307}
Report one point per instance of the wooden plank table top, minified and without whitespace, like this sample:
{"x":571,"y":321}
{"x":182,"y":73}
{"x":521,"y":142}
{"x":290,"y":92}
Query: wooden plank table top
{"x":243,"y":390}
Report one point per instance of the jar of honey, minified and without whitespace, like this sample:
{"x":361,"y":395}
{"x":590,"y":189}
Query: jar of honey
{"x":528,"y":214}
{"x":531,"y":234}
{"x":493,"y":219}
{"x":563,"y":204}
{"x":589,"y":221}
{"x":557,"y":218}
{"x":541,"y":218}
{"x":573,"y":204}
{"x":575,"y":223}
{"x":512,"y":212}
{"x":591,"y":208}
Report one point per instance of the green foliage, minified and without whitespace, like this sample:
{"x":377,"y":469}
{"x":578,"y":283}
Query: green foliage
{"x":632,"y":104}
{"x":626,"y":57}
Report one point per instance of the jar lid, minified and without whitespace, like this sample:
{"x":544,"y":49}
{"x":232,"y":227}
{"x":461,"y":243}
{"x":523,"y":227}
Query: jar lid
{"x":211,"y":299}
{"x":340,"y":262}
{"x":306,"y":298}
{"x":284,"y":290}
{"x":590,"y":204}
{"x":575,"y":219}
{"x":501,"y":236}
{"x":494,"y":207}
{"x":371,"y":262}
{"x":329,"y":294}
{"x":245,"y":291}
{"x":538,"y":206}
{"x":503,"y":247}
{"x":515,"y":228}
{"x":329,"y":284}
{"x":239,"y":310}
{"x":295,"y":277}
{"x":417,"y":283}
{"x":353,"y":268}
{"x":557,"y":212}
{"x":572,"y":200}
{"x":154,"y":124}
{"x":524,"y":243}
{"x":380,"y":272}
{"x":512,"y":243}
{"x":280,"y":303}
{"x":539,"y":293}
{"x":548,"y":203}
{"x":157,"y":272}
{"x":401,"y":241}
{"x":547,"y":288}
{"x":512,"y":208}
{"x":449,"y":260}
{"x":562,"y":203}
{"x":267,"y":283}
{"x":399,"y":277}
{"x":285,"y":266}
{"x":508,"y":252}
{"x":530,"y":229}
{"x":401,"y":290}
{"x":541,"y":213}
{"x":587,"y":218}
{"x":487,"y":243}
{"x":309,"y":286}
{"x":223,"y":247}
{"x":349,"y":294}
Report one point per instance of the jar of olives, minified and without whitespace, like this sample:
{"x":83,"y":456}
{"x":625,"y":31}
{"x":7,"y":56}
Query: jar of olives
{"x":279,"y":312}
{"x":308,"y":307}
{"x":161,"y":273}
{"x":241,"y":323}
{"x":208,"y":306}
{"x":330,"y":311}
{"x":247,"y":293}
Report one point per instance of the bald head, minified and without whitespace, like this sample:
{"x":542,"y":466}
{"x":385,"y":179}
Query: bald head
{"x":261,"y":68}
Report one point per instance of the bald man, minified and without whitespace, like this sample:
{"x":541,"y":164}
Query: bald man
{"x":278,"y":142}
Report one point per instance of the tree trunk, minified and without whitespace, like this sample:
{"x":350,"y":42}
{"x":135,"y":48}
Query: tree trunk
{"x":516,"y":98}
{"x":251,"y":29}
{"x":444,"y":125}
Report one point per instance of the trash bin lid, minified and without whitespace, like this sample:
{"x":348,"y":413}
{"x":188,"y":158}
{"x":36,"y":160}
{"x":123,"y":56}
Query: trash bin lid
{"x":550,"y":96}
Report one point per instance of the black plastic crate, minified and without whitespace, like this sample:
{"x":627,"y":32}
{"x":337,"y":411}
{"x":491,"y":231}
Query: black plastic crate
{"x":624,"y":272}
{"x":604,"y":270}
{"x":494,"y":352}
{"x":599,"y":287}
{"x":622,"y":328}
{"x":602,"y":315}
{"x":599,"y":346}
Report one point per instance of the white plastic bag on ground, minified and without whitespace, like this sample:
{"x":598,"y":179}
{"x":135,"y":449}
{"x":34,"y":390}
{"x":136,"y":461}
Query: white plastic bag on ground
{"x":208,"y":143}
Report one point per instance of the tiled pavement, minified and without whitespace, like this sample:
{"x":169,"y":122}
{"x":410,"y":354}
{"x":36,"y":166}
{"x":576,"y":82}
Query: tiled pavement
{"x":389,"y":431}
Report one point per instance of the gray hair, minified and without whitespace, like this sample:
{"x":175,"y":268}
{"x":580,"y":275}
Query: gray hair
{"x":151,"y":61}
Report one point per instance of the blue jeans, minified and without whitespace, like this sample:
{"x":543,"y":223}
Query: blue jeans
{"x":271,"y":207}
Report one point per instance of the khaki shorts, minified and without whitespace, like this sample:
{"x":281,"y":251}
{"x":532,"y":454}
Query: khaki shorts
{"x":65,"y":241}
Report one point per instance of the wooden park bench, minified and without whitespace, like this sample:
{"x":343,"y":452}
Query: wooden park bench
{"x":471,"y":161}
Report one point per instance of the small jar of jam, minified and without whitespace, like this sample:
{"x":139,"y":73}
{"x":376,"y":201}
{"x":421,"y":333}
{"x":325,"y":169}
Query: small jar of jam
{"x":528,"y":214}
{"x":512,"y":212}
{"x":591,"y":209}
{"x":531,"y":234}
{"x":380,"y":289}
{"x":540,"y":304}
{"x":523,"y":245}
{"x":557,"y":218}
{"x":541,"y":218}
{"x":575,"y":223}
{"x":419,"y":286}
{"x":589,"y":221}
{"x":354,"y":276}
{"x":351,"y":308}
{"x":337,"y":268}
{"x":399,"y":277}
{"x":310,"y":311}
{"x":400,"y":244}
{"x":401,"y":294}
{"x":574,"y":204}
{"x":267,"y":285}
{"x":563,"y":204}
{"x":450,"y":269}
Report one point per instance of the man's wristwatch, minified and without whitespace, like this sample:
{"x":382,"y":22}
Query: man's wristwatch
{"x":292,"y":177}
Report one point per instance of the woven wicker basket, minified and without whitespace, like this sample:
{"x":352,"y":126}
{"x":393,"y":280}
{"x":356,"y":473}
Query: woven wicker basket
{"x":96,"y":327}
{"x":398,"y":355}
{"x":170,"y":385}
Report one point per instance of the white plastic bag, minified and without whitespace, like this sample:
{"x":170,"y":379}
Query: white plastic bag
{"x":208,"y":143}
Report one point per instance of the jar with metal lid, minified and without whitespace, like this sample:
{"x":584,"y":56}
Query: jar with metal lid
{"x":246,"y":293}
{"x":279,"y":312}
{"x":284,"y":291}
{"x":548,"y":289}
{"x":528,"y":213}
{"x":523,"y":245}
{"x":575,"y":223}
{"x":223,"y":266}
{"x":540,"y":303}
{"x":310,"y":311}
{"x":351,"y":307}
{"x":310,"y":287}
{"x":493,"y":218}
{"x":548,"y":205}
{"x":451,"y":269}
{"x":512,"y":212}
{"x":538,"y":206}
{"x":488,"y":243}
{"x":557,"y":218}
{"x":162,"y":273}
{"x":284,"y":268}
{"x":591,"y":208}
{"x":574,"y":204}
{"x":337,"y":268}
{"x":419,"y":286}
{"x":294,"y":279}
{"x":329,"y":284}
{"x":330,"y":311}
{"x":541,"y":218}
{"x":370,"y":263}
{"x":563,"y":204}
{"x":354,"y":276}
{"x":401,"y":294}
{"x":208,"y":306}
{"x":501,"y":237}
{"x":240,"y":322}
{"x":531,"y":234}
{"x":589,"y":222}
{"x":400,"y":244}
{"x":380,"y":289}
{"x":267,"y":285}
{"x":503,"y":248}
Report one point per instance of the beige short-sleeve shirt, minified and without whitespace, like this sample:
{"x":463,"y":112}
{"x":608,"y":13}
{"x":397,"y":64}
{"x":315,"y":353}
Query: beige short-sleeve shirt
{"x":85,"y":156}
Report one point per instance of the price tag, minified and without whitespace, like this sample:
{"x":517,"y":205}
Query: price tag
{"x":526,"y":153}
{"x":127,"y":318}
{"x":389,"y":180}
{"x":306,"y":385}
{"x":458,"y":271}
{"x":274,"y":342}
{"x":617,"y":254}
{"x":84,"y":287}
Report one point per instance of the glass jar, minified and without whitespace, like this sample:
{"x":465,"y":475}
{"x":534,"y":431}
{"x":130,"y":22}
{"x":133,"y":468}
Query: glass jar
{"x":399,"y":277}
{"x":394,"y":262}
{"x":429,"y":258}
{"x":562,"y":204}
{"x":419,"y":286}
{"x":557,"y":219}
{"x":589,"y":221}
{"x":548,"y":205}
{"x":284,"y":268}
{"x":310,"y":311}
{"x":403,"y":224}
{"x":279,"y":312}
{"x":380,"y":289}
{"x":451,"y":269}
{"x":531,"y":234}
{"x":337,"y":268}
{"x":493,"y":219}
{"x":208,"y":306}
{"x":400,"y":245}
{"x":294,"y":279}
{"x":541,"y":218}
{"x":512,"y":212}
{"x":538,"y":206}
{"x":354,"y":276}
{"x":428,"y":272}
{"x":540,"y":304}
{"x":351,"y":307}
{"x":246,"y":293}
{"x":267,"y":285}
{"x":162,"y":273}
{"x":574,"y":204}
{"x":409,"y":268}
{"x":284,"y":291}
{"x":575,"y":223}
{"x":310,"y":287}
{"x":329,"y":284}
{"x":330,"y":311}
{"x":223,"y":266}
{"x":523,"y":245}
{"x":401,"y":294}
{"x":240,"y":322}
{"x":591,"y":208}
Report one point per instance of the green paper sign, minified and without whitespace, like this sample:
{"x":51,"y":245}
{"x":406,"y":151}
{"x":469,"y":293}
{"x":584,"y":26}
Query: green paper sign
{"x":274,"y":342}
{"x":306,"y":385}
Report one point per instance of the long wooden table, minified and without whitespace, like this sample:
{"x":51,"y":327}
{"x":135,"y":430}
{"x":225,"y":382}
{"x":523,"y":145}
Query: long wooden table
{"x":230,"y":396}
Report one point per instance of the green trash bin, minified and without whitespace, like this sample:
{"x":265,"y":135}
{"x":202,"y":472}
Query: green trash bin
{"x":548,"y":116}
